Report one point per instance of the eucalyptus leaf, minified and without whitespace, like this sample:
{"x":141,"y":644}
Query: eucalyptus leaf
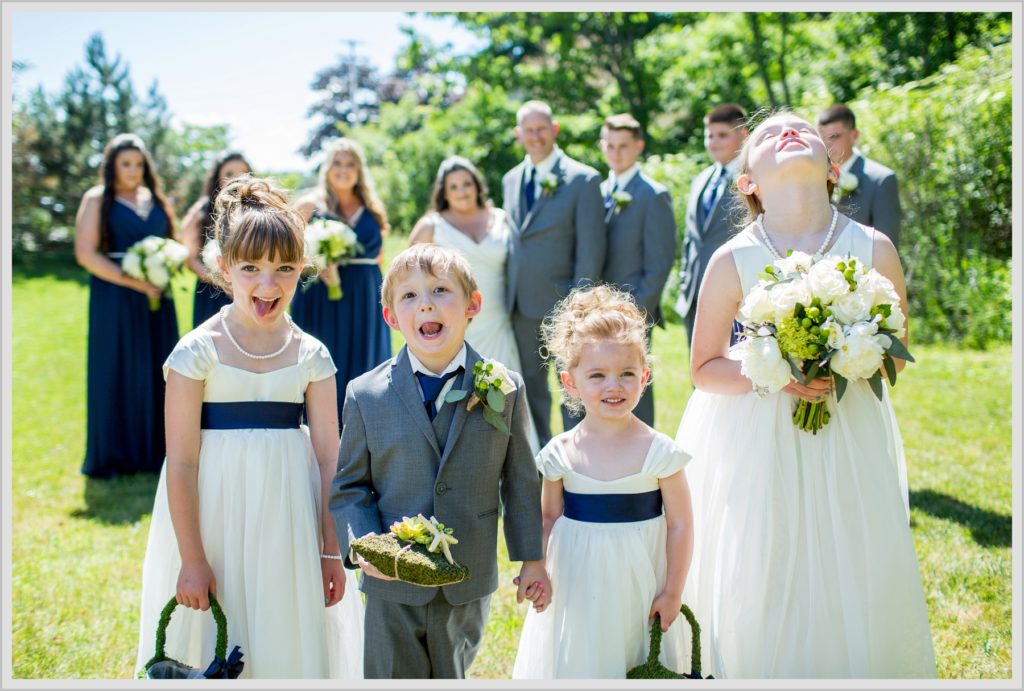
{"x":455,"y":395}
{"x":812,"y":372}
{"x":875,"y":380}
{"x":495,"y":420}
{"x":890,"y":368}
{"x":496,"y":400}
{"x":897,"y":349}
{"x":840,"y":385}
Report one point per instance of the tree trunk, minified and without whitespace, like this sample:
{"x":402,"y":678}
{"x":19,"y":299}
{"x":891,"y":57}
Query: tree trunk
{"x":762,"y":67}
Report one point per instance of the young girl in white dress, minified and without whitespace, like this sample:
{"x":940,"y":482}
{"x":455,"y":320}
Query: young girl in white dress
{"x":463,"y":219}
{"x":804,"y":563}
{"x":615,"y":504}
{"x":241,"y":505}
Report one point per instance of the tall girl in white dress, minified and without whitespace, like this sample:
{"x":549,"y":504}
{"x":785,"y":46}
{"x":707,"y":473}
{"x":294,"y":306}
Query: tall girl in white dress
{"x":617,"y":522}
{"x":462,"y":218}
{"x":804,"y":563}
{"x":240,"y":509}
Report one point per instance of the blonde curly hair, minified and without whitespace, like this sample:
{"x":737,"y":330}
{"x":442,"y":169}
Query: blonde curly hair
{"x":591,"y":315}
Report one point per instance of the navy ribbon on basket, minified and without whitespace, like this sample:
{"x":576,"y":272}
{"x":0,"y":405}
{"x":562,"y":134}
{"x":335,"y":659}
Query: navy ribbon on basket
{"x":226,"y":669}
{"x":612,"y":508}
{"x":252,"y":415}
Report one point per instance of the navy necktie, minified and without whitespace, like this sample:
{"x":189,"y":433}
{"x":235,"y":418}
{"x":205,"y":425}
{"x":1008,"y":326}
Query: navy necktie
{"x":712,"y":190}
{"x":529,"y":192}
{"x":431,"y":386}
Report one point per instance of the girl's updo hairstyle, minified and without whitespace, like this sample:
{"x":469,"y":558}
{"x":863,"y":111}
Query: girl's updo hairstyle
{"x":591,"y":315}
{"x":252,"y":220}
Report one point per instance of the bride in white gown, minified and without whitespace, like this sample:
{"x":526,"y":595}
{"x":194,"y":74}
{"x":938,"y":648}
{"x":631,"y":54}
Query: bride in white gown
{"x":463,"y":219}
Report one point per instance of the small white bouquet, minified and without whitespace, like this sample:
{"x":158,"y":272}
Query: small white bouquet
{"x":327,"y":243}
{"x":156,"y":260}
{"x":830,"y":318}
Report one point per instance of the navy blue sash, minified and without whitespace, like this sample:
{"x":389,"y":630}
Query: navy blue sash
{"x":252,"y":415}
{"x":612,"y":508}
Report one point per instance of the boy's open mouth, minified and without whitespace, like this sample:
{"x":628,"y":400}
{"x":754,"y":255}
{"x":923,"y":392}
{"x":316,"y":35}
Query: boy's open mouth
{"x":264,"y":307}
{"x":431,"y":330}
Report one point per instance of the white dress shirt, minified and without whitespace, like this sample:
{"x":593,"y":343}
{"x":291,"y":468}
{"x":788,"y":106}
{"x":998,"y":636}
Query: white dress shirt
{"x":458,"y":361}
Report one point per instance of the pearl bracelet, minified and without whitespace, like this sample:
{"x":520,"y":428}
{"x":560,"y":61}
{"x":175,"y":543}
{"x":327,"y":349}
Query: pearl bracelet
{"x":331,"y":556}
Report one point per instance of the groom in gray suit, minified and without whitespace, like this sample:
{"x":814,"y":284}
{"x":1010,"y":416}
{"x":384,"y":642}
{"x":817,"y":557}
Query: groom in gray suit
{"x":867,"y":191}
{"x":713,"y":208}
{"x":641,"y":228}
{"x":558,"y":238}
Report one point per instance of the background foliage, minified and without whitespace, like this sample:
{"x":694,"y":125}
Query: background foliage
{"x":932,"y":92}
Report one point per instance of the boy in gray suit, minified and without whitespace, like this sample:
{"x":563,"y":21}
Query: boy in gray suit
{"x":553,"y":205}
{"x":867,"y":191}
{"x":641,"y":228}
{"x":405,"y":451}
{"x":713,"y":209}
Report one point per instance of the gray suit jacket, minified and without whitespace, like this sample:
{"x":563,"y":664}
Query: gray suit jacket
{"x":641,"y":242}
{"x":876,"y":201}
{"x":701,"y":240}
{"x":560,"y":243}
{"x":390,"y":466}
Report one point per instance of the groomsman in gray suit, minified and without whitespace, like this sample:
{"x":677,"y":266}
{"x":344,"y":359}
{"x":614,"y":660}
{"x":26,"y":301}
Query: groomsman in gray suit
{"x":713,"y":209}
{"x":641,"y":228}
{"x":867,"y":191}
{"x":558,"y":237}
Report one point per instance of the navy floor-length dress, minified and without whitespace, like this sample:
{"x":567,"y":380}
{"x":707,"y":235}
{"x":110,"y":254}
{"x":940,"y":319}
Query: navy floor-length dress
{"x":208,"y":301}
{"x":128,"y":344}
{"x":352,"y":328}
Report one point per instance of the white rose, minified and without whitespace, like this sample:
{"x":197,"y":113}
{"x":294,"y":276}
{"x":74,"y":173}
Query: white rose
{"x":852,"y":307}
{"x":762,"y":363}
{"x":151,"y":244}
{"x":158,"y":276}
{"x":757,"y":307}
{"x":798,"y":261}
{"x":836,"y":336}
{"x":826,"y":281}
{"x":175,"y":252}
{"x":860,"y":355}
{"x":897,"y":322}
{"x":499,"y":371}
{"x":154,"y":261}
{"x":848,"y":182}
{"x":785,"y":296}
{"x":131,"y":264}
{"x":879,"y":287}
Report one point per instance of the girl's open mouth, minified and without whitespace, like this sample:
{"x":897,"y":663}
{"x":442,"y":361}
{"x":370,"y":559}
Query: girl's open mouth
{"x":264,"y":307}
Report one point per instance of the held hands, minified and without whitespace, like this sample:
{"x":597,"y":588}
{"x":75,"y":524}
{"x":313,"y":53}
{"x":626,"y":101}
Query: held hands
{"x":330,"y":275}
{"x":534,"y":585}
{"x":667,"y":606}
{"x":333,"y":574}
{"x":195,"y":581}
{"x":813,"y":391}
{"x":144,"y":287}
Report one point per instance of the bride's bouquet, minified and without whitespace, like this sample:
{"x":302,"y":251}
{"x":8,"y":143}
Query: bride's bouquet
{"x":830,"y":318}
{"x":327,"y":243}
{"x":156,"y":260}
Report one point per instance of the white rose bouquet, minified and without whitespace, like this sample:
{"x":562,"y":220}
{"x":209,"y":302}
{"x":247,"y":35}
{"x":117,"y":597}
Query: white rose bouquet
{"x":831,"y":318}
{"x":156,"y":260}
{"x":327,"y":243}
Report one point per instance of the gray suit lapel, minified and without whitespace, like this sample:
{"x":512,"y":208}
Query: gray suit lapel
{"x":404,"y":384}
{"x":460,"y":414}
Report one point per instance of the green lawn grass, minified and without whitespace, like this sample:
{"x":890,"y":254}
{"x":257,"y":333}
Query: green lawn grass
{"x":78,"y":544}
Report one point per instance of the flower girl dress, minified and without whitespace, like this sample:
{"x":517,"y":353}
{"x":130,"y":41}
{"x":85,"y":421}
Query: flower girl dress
{"x":803,"y":561}
{"x":259,"y":520}
{"x":605,"y":573}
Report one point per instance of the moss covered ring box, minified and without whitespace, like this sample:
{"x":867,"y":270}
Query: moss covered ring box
{"x":416,"y":550}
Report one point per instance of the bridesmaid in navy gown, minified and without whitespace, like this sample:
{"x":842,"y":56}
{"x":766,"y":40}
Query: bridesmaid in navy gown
{"x":352,"y":328}
{"x":128,"y":342}
{"x":197,"y":228}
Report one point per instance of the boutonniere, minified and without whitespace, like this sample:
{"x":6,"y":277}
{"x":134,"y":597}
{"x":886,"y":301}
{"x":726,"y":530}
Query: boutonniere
{"x":548,"y":184}
{"x":846,"y":185}
{"x":491,"y":382}
{"x":621,"y":199}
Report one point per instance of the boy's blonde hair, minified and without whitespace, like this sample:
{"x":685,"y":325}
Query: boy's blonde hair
{"x":592,"y":315}
{"x":429,"y":258}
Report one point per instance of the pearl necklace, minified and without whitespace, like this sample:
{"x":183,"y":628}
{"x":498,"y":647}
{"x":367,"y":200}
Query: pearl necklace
{"x":821,"y":250}
{"x":287,"y":340}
